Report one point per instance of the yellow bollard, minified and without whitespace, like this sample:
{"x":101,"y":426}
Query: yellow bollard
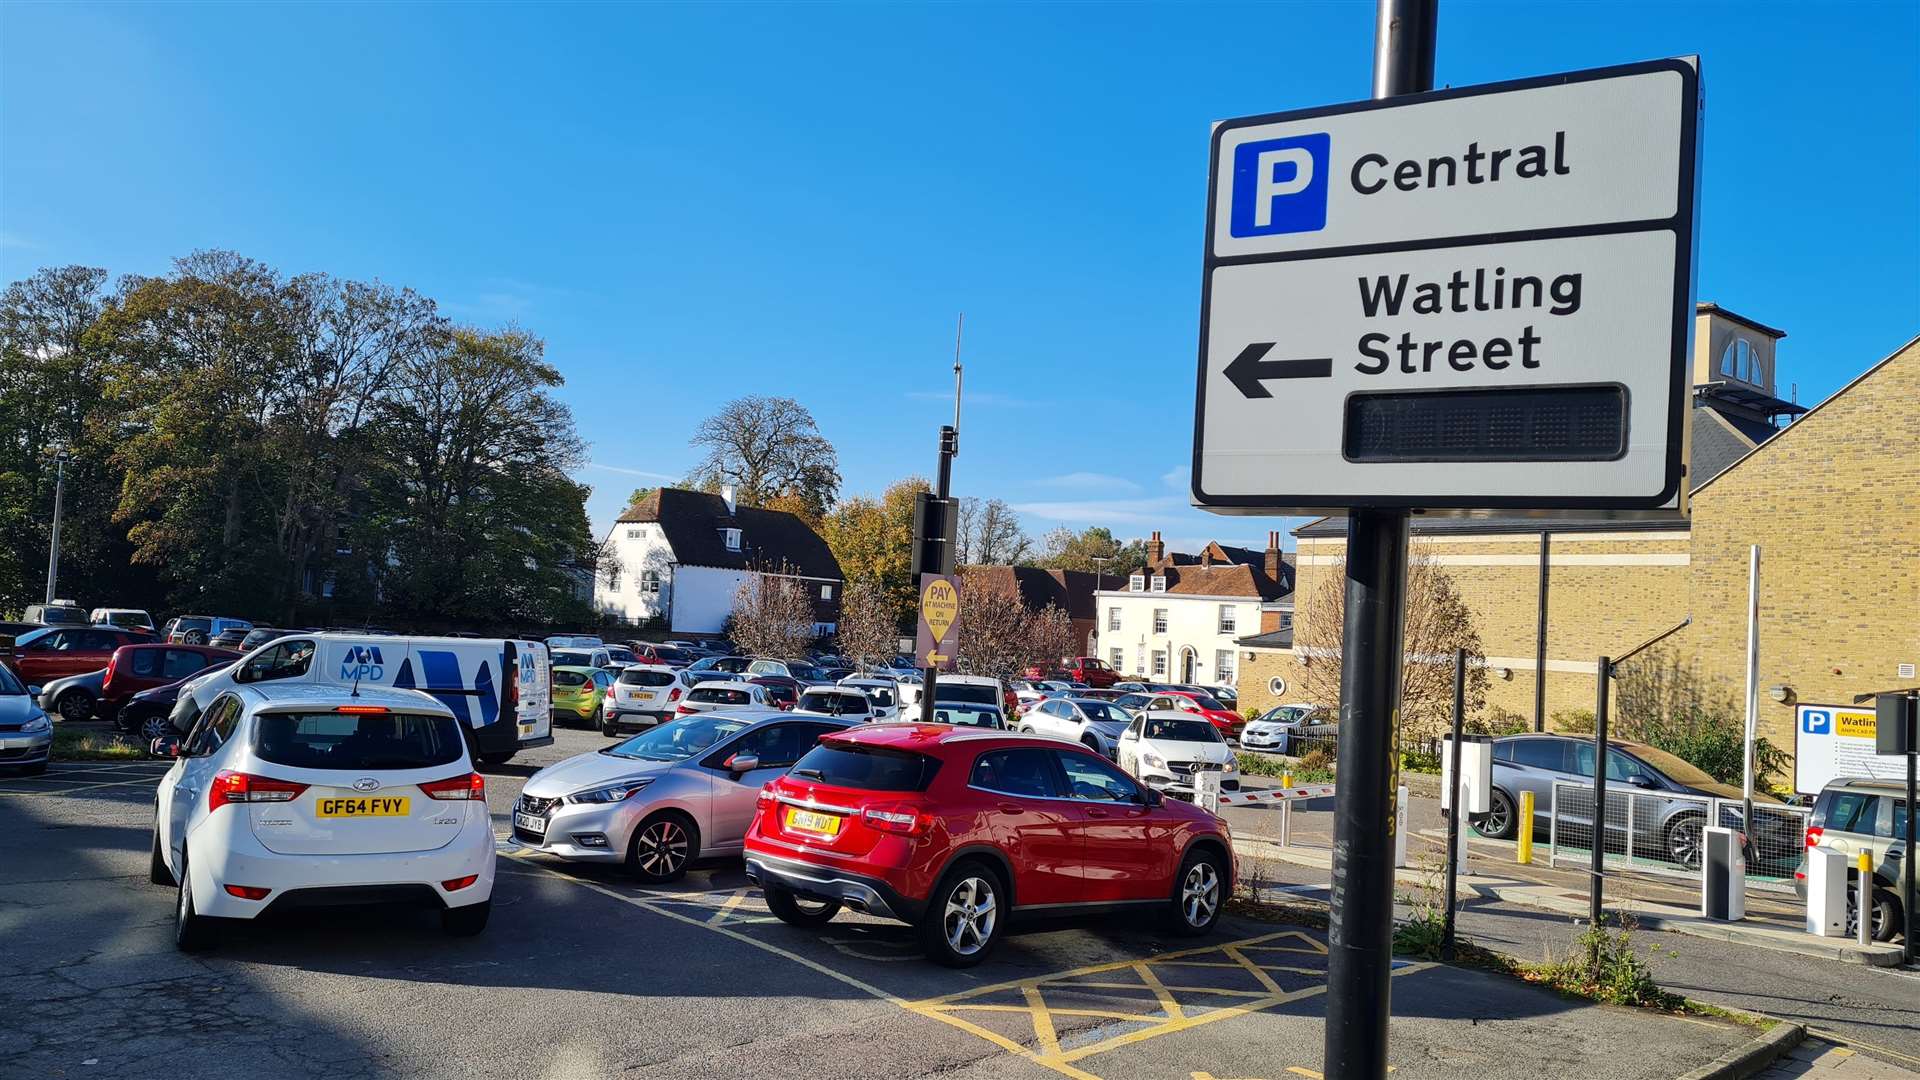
{"x":1286,"y":779}
{"x":1863,"y":898}
{"x":1524,"y":854}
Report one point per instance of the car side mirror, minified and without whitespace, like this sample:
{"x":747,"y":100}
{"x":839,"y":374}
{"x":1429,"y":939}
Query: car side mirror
{"x":1153,"y":798}
{"x":166,"y":746}
{"x":743,"y":763}
{"x":1639,"y":781}
{"x":34,"y":691}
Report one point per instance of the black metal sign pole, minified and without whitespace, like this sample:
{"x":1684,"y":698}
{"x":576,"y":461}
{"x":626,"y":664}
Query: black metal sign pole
{"x":1360,"y":941}
{"x":1911,"y":854}
{"x":1454,"y":809}
{"x":1596,"y":873}
{"x":949,"y":446}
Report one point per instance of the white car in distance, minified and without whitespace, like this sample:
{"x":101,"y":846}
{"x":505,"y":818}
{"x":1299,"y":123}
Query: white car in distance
{"x":294,"y":795}
{"x":1165,"y":749}
{"x":845,"y":702}
{"x":728,"y":696}
{"x":1096,"y":724}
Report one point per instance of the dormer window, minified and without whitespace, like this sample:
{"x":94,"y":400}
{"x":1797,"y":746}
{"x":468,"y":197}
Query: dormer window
{"x":1137,"y":583}
{"x":1160,"y":583}
{"x":730,"y":537}
{"x":1740,"y":360}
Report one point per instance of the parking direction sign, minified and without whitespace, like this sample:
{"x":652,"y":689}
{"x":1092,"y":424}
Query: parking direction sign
{"x":1471,"y":299}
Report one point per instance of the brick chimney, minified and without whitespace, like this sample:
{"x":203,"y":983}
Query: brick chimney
{"x":1275,"y":565}
{"x":1156,"y":551}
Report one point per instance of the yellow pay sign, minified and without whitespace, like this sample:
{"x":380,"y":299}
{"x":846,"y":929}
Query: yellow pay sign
{"x":940,"y":606}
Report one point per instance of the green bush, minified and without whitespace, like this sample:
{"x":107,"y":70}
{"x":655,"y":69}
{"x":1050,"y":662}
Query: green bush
{"x":1665,"y":702}
{"x":1308,"y":771}
{"x":1420,"y":761}
{"x":1496,"y":721}
{"x":1572,"y":722}
{"x":1604,"y":966}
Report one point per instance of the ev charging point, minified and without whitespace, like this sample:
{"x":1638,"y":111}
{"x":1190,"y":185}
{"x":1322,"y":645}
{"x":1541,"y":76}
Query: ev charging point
{"x":1476,"y":785}
{"x":1400,"y":828}
{"x":1723,"y":876}
{"x":1826,"y":892}
{"x":1206,"y":791}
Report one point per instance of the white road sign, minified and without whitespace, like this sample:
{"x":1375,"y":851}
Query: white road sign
{"x":1471,"y":299}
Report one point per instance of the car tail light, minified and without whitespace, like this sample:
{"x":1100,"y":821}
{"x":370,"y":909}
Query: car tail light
{"x":247,"y":892}
{"x":766,"y":796}
{"x":1814,"y":833}
{"x":112,"y":662}
{"x":509,"y":684}
{"x":238,"y":787}
{"x":472,"y":787}
{"x":905,"y":819}
{"x":456,"y":884}
{"x":685,"y":709}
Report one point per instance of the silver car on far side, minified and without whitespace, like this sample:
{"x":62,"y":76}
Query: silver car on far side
{"x":681,"y":791}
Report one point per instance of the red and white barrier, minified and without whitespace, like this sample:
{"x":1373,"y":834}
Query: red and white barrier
{"x":1276,"y":795}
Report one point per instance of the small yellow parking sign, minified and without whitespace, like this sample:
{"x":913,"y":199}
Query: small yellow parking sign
{"x":939,"y":630}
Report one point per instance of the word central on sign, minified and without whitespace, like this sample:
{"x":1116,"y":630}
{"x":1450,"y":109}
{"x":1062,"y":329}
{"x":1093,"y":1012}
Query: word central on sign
{"x":1498,"y":276}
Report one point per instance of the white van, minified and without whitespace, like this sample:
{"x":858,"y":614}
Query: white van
{"x":497,"y":687}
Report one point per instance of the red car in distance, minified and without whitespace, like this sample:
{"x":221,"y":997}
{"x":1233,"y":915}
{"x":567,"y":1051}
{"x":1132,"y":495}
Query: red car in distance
{"x":955,"y":830}
{"x":41,"y":656}
{"x":134,"y":668}
{"x":1226,"y":720}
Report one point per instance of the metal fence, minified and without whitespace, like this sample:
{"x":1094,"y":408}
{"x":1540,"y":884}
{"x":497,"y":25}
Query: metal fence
{"x":1300,"y":745}
{"x":1660,"y":832}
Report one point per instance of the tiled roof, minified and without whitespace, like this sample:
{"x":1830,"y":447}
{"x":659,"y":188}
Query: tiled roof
{"x":772,"y":540}
{"x":1231,"y":579}
{"x":1272,"y":639}
{"x":1069,"y":590}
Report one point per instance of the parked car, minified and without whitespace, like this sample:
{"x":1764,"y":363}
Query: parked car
{"x":732,"y":665}
{"x":979,"y":689}
{"x":1863,"y":815}
{"x":573,"y":641}
{"x":969,"y":714}
{"x":783,"y":691}
{"x":958,"y":832}
{"x":727,"y":695}
{"x":260,"y":635}
{"x":58,"y":613}
{"x":200,"y":629}
{"x":124,"y":618}
{"x":666,"y":797}
{"x":577,"y":692}
{"x":643,"y":696}
{"x":619,"y":656}
{"x":799,"y":671}
{"x":1229,"y":722}
{"x":882,"y":694}
{"x":134,"y":668}
{"x":1096,"y":724}
{"x":147,"y":714}
{"x":843,"y":701}
{"x":594,"y":657}
{"x":291,"y":795}
{"x":73,"y":698}
{"x":694,"y":649}
{"x":1668,"y":828}
{"x":1096,"y":673}
{"x":1094,"y":694}
{"x":26,"y":732}
{"x":41,"y":656}
{"x":1275,"y":729}
{"x":231,"y":638}
{"x":651,"y":652}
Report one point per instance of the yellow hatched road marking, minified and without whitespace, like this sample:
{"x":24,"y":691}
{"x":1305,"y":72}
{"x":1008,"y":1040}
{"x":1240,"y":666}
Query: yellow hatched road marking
{"x":1043,"y":1023}
{"x":726,"y":909}
{"x":1170,"y":1006}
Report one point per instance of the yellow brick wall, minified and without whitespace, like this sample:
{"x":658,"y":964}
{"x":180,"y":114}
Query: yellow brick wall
{"x":1834,"y":503}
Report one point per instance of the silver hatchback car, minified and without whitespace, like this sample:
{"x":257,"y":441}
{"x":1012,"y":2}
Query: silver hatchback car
{"x":681,"y":791}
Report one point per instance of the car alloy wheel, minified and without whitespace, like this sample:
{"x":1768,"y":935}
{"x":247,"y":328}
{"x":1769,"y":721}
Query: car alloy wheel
{"x":1683,"y":842}
{"x":1200,"y":894}
{"x":661,"y":849}
{"x":156,"y":726}
{"x":1499,"y":820}
{"x":972,"y":912}
{"x":75,"y":706}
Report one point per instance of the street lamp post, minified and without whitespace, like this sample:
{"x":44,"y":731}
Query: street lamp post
{"x":59,"y":499}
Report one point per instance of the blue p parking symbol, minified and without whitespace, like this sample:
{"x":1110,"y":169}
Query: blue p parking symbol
{"x":1280,"y":186}
{"x":1816,"y":722}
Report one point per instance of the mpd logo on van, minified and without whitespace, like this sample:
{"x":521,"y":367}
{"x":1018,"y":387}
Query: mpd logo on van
{"x":362,"y":664}
{"x":1280,"y":185}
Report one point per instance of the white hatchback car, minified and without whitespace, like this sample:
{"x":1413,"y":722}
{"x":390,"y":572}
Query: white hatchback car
{"x":1165,"y":749}
{"x":730,"y":696}
{"x":291,"y":795}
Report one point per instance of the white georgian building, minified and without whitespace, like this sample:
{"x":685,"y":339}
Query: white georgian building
{"x":682,"y":556}
{"x":1178,"y":619}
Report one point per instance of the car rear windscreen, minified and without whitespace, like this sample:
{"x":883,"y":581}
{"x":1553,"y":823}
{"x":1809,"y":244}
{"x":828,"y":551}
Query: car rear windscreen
{"x":330,"y":740}
{"x":717,"y":696}
{"x":641,"y":677}
{"x":867,"y":768}
{"x":973,"y":692}
{"x":569,"y":678}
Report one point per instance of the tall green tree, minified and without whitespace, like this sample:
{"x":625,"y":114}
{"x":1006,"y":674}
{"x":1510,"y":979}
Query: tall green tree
{"x":872,"y":539}
{"x":767,"y":448}
{"x":1094,"y":549}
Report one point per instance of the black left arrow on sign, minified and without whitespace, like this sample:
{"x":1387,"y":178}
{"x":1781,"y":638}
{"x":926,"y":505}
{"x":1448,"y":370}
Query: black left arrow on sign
{"x":1251,"y":367}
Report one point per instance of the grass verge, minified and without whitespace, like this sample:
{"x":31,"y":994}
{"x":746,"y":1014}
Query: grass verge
{"x":93,"y":746}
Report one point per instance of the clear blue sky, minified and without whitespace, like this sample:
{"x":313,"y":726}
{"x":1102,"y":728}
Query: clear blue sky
{"x":693,"y":203}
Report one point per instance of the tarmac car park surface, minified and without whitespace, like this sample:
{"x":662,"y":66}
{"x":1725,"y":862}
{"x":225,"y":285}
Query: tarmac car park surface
{"x":583,"y":973}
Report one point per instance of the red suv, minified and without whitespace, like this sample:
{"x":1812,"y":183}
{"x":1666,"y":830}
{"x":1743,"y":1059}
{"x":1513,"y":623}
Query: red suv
{"x":1226,"y":720}
{"x":42,"y":656}
{"x":134,"y":668}
{"x":956,"y":829}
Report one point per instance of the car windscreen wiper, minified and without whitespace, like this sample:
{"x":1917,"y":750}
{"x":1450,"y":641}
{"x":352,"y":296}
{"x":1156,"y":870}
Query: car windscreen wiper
{"x":815,"y":773}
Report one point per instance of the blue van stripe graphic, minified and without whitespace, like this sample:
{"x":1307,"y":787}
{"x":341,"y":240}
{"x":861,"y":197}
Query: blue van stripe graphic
{"x":489,"y":697}
{"x":442,"y":671}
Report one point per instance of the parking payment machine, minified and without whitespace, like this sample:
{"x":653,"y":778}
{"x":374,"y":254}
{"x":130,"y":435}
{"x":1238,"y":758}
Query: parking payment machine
{"x":1723,"y":876}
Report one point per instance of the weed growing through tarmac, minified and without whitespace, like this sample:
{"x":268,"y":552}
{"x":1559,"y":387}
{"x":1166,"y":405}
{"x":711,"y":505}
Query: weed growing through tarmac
{"x":1604,"y":966}
{"x":1422,"y":934}
{"x":93,"y":746}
